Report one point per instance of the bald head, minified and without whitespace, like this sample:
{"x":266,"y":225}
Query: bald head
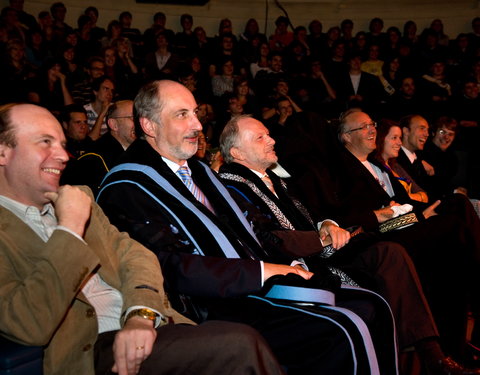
{"x":358,"y":133}
{"x":247,"y":141}
{"x":32,"y":164}
{"x":120,"y":122}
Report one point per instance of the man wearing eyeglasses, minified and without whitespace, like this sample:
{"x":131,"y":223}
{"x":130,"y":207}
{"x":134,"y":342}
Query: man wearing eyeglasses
{"x":440,"y":155}
{"x":90,"y":168}
{"x":367,"y":195}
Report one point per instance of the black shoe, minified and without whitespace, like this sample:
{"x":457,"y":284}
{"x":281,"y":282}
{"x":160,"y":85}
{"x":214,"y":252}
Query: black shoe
{"x":447,"y":366}
{"x":472,"y":356}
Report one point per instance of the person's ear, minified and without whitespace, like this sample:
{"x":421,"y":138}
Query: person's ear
{"x":236,"y":153}
{"x":4,"y":154}
{"x":112,"y":124}
{"x":148,"y":126}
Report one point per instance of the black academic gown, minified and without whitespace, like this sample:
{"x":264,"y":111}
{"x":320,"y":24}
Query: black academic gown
{"x":378,"y":265}
{"x":304,"y":343}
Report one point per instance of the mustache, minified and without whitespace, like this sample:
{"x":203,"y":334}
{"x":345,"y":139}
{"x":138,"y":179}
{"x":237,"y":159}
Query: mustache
{"x":195,"y":133}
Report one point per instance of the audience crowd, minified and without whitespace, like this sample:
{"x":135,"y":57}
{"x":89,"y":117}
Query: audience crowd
{"x":388,"y":73}
{"x":402,"y":102}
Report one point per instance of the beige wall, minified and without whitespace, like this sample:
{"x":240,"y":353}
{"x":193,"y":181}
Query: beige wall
{"x":456,"y":14}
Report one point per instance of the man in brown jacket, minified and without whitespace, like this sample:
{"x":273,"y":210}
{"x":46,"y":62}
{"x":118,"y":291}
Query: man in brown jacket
{"x":94,"y":298}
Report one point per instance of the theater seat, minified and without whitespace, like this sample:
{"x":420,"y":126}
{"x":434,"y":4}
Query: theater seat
{"x":16,"y":359}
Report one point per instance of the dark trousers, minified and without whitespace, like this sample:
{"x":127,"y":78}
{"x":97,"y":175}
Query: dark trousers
{"x":395,"y":278}
{"x":209,"y":348}
{"x":318,"y":340}
{"x":443,"y":257}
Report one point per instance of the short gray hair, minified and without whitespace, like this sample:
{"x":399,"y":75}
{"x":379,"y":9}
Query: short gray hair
{"x":343,"y":121}
{"x":148,"y":104}
{"x":229,"y":136}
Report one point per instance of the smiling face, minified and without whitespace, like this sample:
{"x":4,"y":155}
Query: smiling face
{"x":69,"y":54}
{"x":176,"y":136}
{"x":202,"y":146}
{"x":359,"y":142}
{"x":276,"y":64}
{"x":33,"y":167}
{"x":416,"y":135}
{"x":254,"y":146}
{"x":392,"y":143}
{"x":443,"y":138}
{"x":234,"y":106}
{"x":281,"y":88}
{"x":110,"y":57}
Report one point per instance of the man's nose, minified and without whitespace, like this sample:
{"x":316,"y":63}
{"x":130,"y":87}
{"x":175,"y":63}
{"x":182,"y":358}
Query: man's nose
{"x":196,"y":123}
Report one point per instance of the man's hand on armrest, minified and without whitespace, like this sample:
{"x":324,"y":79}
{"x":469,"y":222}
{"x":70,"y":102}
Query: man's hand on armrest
{"x":281,"y":269}
{"x":132,"y":345}
{"x":332,"y":234}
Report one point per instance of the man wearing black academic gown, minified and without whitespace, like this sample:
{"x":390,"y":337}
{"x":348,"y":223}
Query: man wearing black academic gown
{"x":215,"y":256}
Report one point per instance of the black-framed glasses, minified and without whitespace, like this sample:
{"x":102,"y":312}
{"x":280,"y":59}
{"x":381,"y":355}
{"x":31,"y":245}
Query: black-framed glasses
{"x":446,"y":133}
{"x":368,"y":126}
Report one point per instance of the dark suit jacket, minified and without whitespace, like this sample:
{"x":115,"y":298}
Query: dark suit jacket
{"x":369,"y":88}
{"x":415,"y":169}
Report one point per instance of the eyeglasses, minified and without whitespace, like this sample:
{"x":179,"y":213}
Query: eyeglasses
{"x":364,"y":127}
{"x":130,"y":117}
{"x":446,"y":133}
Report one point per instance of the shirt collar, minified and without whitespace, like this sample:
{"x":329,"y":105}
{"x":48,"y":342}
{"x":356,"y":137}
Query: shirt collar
{"x":174,"y":166}
{"x":410,"y":155}
{"x":261,"y":175}
{"x":21,"y":209}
